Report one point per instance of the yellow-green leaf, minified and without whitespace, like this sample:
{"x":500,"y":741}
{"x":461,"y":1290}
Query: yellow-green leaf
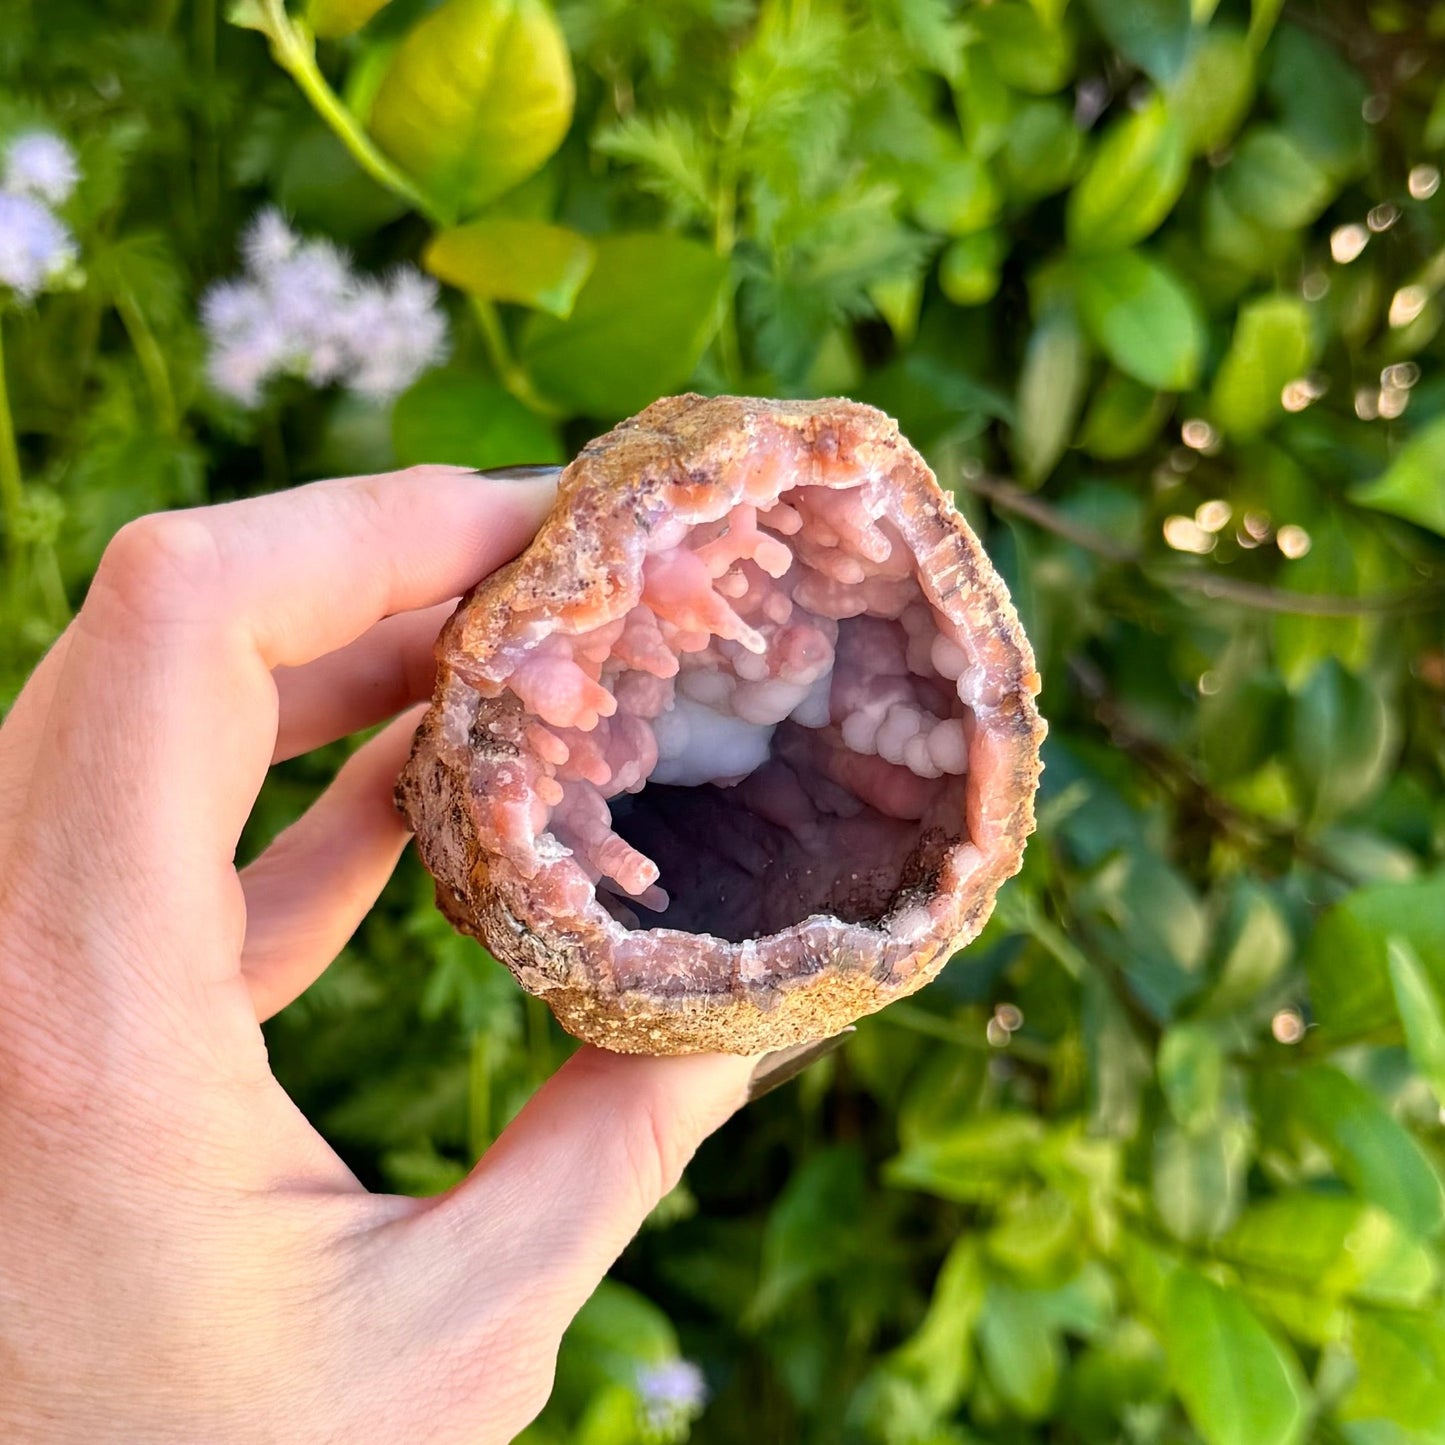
{"x":1051,"y":387}
{"x":1413,"y":486}
{"x":1131,"y":183}
{"x":1273,"y":344}
{"x":1239,"y":1384}
{"x":505,"y":259}
{"x":331,"y":19}
{"x":1422,"y":1011}
{"x":477,"y":96}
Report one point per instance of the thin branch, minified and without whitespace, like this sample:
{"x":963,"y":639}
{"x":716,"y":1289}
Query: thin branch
{"x":1010,"y":498}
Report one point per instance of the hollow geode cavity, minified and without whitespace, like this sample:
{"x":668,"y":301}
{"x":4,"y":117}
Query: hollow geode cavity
{"x":743,"y":745}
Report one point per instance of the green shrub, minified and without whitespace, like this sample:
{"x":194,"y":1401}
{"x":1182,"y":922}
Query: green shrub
{"x":1156,"y":287}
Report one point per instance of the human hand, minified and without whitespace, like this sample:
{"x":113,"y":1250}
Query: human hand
{"x":183,"y":1258}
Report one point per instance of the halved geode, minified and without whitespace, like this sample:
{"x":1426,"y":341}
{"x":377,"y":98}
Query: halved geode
{"x":742,"y":747}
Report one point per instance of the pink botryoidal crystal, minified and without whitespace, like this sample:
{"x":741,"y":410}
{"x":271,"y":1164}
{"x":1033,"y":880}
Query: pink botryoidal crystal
{"x":743,"y":745}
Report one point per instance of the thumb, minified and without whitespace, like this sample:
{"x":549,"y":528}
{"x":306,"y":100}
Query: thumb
{"x":556,"y":1199}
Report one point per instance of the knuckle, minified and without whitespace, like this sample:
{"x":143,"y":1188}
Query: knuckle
{"x":156,"y":567}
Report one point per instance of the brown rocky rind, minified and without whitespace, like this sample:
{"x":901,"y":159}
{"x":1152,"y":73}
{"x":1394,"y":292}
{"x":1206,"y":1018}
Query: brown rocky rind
{"x":663,"y":991}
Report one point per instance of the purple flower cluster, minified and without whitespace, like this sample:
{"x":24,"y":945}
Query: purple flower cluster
{"x":672,"y":1394}
{"x":300,"y":310}
{"x":37,"y":251}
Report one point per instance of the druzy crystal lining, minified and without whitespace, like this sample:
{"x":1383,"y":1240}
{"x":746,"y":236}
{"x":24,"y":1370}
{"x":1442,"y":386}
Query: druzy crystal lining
{"x":777,"y":632}
{"x":743,"y":744}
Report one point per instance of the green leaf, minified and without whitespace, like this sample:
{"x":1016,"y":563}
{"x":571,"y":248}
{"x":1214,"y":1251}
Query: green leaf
{"x":1320,"y":96}
{"x":1253,"y":946}
{"x":1413,"y":486}
{"x":1239,"y":1384}
{"x":976,"y":1159}
{"x":477,"y":96}
{"x":1371,"y":1150}
{"x":331,"y":19}
{"x":1273,"y":345}
{"x":958,"y":198}
{"x":1191,"y":1073}
{"x":1422,"y":1011}
{"x":468,"y":422}
{"x":1123,"y":418}
{"x":1347,"y":957}
{"x":638,"y":328}
{"x":812,"y":1232}
{"x":1213,"y":93}
{"x":1401,"y":1363}
{"x":1262,"y":16}
{"x":968,"y":271}
{"x":1131,"y":182}
{"x":1027,"y":51}
{"x":1143,"y":318}
{"x":1198,"y":1180}
{"x":936,"y":1358}
{"x":1274,"y":183}
{"x":1051,"y":387}
{"x":1036,"y":1234}
{"x":1041,"y":151}
{"x":1334,"y":1246}
{"x":1342,"y":741}
{"x":500,"y":259}
{"x":1154,"y":34}
{"x":1021,"y":1349}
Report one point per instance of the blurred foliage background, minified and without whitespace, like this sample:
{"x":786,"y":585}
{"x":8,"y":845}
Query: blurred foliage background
{"x":1156,"y":285}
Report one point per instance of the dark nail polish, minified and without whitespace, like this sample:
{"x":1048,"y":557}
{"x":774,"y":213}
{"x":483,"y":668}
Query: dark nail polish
{"x":519,"y":473}
{"x":784,"y":1064}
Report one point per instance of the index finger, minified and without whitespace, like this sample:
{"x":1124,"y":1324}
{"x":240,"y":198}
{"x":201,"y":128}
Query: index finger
{"x":165,"y":717}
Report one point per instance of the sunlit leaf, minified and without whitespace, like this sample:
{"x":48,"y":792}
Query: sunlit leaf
{"x":1374,"y":1153}
{"x":1131,"y":182}
{"x":1212,"y":94}
{"x":1240,"y":1385}
{"x":500,"y":259}
{"x":1411,"y":487}
{"x":1273,"y":344}
{"x":1422,"y":1011}
{"x":476,"y":98}
{"x":1142,"y":317}
{"x":331,"y":19}
{"x":1028,"y":52}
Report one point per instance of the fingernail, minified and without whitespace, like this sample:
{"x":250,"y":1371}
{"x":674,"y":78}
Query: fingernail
{"x":539,"y":472}
{"x":784,"y":1064}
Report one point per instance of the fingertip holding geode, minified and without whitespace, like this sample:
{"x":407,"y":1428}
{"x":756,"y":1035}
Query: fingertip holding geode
{"x":742,"y":747}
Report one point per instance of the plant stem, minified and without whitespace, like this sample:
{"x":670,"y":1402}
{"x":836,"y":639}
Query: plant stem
{"x":499,"y":353}
{"x":12,"y":492}
{"x":295,"y":50}
{"x":152,"y":359}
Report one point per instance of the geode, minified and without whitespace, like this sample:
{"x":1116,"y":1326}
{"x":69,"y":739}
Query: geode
{"x":743,"y":745}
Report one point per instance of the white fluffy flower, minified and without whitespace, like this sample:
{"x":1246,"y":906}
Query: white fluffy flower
{"x":40,"y":164}
{"x":300,"y":310}
{"x":672,"y":1395}
{"x":36,"y":250}
{"x":395,"y":332}
{"x":268,"y":241}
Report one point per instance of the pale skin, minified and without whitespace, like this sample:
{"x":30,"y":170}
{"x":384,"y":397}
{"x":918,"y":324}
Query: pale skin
{"x":182,"y":1256}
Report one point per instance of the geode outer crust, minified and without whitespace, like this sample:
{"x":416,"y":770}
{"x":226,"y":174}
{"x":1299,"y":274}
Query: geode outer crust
{"x":661,"y":990}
